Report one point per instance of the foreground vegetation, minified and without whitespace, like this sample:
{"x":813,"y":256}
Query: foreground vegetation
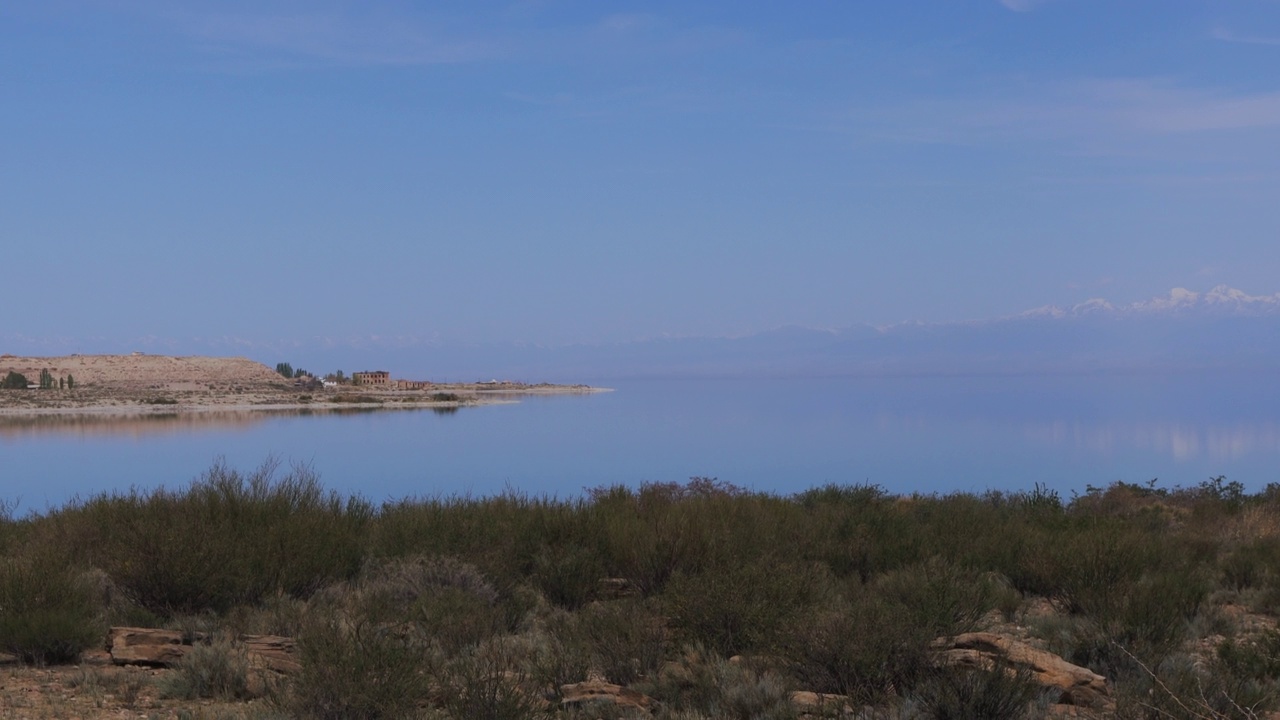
{"x":713,"y":601}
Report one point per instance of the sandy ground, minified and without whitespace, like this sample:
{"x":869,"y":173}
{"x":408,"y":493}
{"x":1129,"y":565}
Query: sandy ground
{"x":137,"y":385}
{"x":94,"y":689}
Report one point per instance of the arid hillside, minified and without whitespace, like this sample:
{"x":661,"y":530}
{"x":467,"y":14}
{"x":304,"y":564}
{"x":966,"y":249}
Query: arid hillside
{"x":147,"y":372}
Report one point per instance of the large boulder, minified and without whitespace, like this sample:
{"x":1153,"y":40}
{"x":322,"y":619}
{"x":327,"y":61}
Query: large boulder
{"x":147,"y":646}
{"x":272,"y":652}
{"x":1078,"y":686}
{"x":814,"y":704}
{"x":599,"y":692}
{"x":165,"y":648}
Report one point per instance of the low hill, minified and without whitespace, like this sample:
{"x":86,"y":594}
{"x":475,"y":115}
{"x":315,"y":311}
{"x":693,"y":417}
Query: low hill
{"x":147,"y":372}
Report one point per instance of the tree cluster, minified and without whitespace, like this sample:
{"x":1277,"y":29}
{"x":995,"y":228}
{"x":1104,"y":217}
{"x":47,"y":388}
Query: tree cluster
{"x":287,"y":370}
{"x":48,"y":381}
{"x":14,"y":381}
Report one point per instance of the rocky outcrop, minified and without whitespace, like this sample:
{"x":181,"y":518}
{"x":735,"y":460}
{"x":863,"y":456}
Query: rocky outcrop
{"x":599,"y":692}
{"x":1078,"y":686}
{"x":616,"y":588}
{"x":154,"y":647}
{"x":813,"y":704}
{"x":272,"y":652}
{"x":146,"y":646}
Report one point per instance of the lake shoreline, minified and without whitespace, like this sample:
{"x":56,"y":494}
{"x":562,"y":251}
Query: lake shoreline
{"x":134,"y":404}
{"x":142,"y":385}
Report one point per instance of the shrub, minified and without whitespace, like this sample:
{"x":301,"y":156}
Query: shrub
{"x":741,"y":608}
{"x":356,"y":399}
{"x":491,"y":682}
{"x":227,"y":540}
{"x":359,"y":670}
{"x":1253,"y":564}
{"x":275,"y":615}
{"x":559,"y":653}
{"x":703,"y":682}
{"x":627,"y":638}
{"x":567,"y":576}
{"x":942,"y":598}
{"x":1157,"y":611}
{"x":996,"y":693}
{"x":1184,"y":689}
{"x":449,"y":600}
{"x":14,"y":381}
{"x":864,"y":646}
{"x":48,"y":615}
{"x":217,"y":670}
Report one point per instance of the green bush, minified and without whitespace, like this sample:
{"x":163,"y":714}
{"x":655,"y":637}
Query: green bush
{"x":568,"y":575}
{"x":217,"y":670}
{"x":559,"y":653}
{"x":627,"y":638}
{"x":14,"y":381}
{"x":1257,"y":658}
{"x":491,"y":682}
{"x":840,"y":588}
{"x":48,"y":615}
{"x":226,"y":540}
{"x":1254,"y":564}
{"x":741,"y":608}
{"x":701,"y":681}
{"x":1158,"y":610}
{"x":359,"y":671}
{"x":1184,"y":688}
{"x":996,"y":693}
{"x":865,"y":646}
{"x":940,"y":597}
{"x":447,"y":600}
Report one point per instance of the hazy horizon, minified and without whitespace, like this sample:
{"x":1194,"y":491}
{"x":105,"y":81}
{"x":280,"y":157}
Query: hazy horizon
{"x":1221,"y":330}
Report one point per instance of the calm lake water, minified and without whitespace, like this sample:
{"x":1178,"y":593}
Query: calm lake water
{"x":905,"y":434}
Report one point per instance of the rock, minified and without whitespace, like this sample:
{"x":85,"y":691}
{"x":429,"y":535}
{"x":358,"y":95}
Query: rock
{"x":272,"y":652}
{"x":1079,"y":686}
{"x":164,"y":648}
{"x":146,"y":646}
{"x":1072,"y":712}
{"x":593,"y":692}
{"x":820,"y":704}
{"x":616,"y":588}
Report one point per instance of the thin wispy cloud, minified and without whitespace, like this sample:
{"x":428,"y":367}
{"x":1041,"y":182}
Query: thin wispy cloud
{"x":1022,"y":5}
{"x":629,"y":22}
{"x":1157,"y":105}
{"x":1093,"y":108}
{"x":642,"y":34}
{"x":314,"y":35}
{"x":334,"y":39}
{"x":1226,"y":35}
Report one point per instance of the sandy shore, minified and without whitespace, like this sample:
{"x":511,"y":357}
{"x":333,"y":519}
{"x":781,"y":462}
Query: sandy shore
{"x":141,"y":385}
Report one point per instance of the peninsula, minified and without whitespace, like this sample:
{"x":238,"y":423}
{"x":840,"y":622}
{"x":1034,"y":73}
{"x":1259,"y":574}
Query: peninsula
{"x":146,"y":384}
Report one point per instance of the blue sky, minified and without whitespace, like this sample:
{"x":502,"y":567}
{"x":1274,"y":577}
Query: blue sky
{"x":555,"y":172}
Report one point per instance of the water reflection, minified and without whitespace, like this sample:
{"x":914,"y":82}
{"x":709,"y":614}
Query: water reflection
{"x":1183,"y":442}
{"x":158,"y":424}
{"x":908,"y":434}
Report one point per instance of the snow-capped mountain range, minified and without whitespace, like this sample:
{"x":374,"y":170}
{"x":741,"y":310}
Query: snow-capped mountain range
{"x":1221,"y":300}
{"x":1220,"y":329}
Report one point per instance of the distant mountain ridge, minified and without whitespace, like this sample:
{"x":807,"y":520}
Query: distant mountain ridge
{"x":1221,"y":300}
{"x":1219,"y":329}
